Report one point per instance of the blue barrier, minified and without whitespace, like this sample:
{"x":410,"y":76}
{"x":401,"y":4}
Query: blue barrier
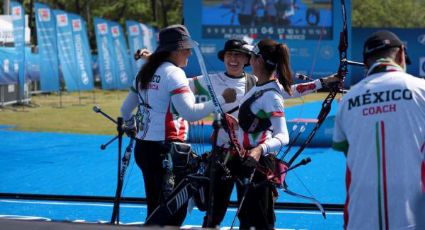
{"x":323,"y":137}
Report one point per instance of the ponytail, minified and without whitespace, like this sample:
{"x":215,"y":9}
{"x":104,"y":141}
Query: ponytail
{"x":145,"y":75}
{"x":283,"y":69}
{"x":276,"y":58}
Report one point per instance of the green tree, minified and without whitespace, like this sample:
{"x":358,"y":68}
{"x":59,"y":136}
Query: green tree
{"x":388,"y":13}
{"x":161,"y":13}
{"x":155,"y":13}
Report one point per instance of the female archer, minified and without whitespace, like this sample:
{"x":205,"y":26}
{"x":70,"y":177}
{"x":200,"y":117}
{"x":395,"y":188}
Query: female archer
{"x":161,"y":91}
{"x":263,"y":130}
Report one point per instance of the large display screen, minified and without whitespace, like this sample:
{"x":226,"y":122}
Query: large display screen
{"x":277,"y":19}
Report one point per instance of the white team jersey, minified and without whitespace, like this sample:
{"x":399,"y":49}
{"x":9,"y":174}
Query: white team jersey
{"x":270,"y":104}
{"x":383,"y":120}
{"x":220,"y":81}
{"x":161,"y":121}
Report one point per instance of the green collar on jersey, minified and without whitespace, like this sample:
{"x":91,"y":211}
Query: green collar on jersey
{"x":384,"y":65}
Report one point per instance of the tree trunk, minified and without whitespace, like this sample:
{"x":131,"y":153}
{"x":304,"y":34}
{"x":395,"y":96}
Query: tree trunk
{"x":153,"y":7}
{"x":122,"y":11}
{"x":31,"y":23}
{"x":77,"y":7}
{"x":164,"y":10}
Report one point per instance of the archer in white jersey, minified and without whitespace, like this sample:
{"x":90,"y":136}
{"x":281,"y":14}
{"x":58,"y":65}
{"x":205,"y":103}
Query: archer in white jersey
{"x":161,"y":91}
{"x":380,"y":125}
{"x":235,"y":57}
{"x":242,"y":85}
{"x":262,"y":119}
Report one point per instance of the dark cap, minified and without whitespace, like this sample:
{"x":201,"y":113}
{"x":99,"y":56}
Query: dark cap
{"x":175,"y":37}
{"x":233,"y":45}
{"x":382,"y":40}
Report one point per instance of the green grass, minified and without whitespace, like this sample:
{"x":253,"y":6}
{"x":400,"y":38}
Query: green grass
{"x":76,"y":113}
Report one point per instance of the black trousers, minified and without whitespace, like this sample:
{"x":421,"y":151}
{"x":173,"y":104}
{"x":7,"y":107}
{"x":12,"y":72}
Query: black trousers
{"x":222,"y":190}
{"x":258,"y":208}
{"x":148,"y":158}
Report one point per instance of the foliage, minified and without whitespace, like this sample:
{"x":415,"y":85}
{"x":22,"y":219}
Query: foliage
{"x":388,"y":13}
{"x":155,"y":13}
{"x":161,"y":13}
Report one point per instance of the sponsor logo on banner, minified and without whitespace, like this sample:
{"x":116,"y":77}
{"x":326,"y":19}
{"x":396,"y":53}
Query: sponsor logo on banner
{"x":421,"y":39}
{"x":103,"y":28}
{"x":44,"y":15}
{"x":326,"y":52}
{"x":422,"y":67}
{"x":17,"y":12}
{"x":115,"y":31}
{"x":134,"y":30}
{"x":62,"y":20}
{"x":6,"y":65}
{"x":76,"y":25}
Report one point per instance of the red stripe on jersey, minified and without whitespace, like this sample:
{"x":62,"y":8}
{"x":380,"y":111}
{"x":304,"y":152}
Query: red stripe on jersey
{"x":171,"y":132}
{"x":263,"y":137}
{"x":183,"y":129}
{"x":301,"y":88}
{"x":168,"y":123}
{"x":384,"y":175}
{"x":347,"y":199}
{"x":277,"y":114}
{"x":246,"y":140}
{"x":184,"y":89}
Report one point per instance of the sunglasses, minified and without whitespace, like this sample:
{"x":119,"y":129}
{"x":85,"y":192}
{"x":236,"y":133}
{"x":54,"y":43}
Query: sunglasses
{"x":255,"y":51}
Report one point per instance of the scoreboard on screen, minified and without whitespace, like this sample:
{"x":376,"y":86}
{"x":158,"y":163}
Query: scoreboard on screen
{"x":309,"y":27}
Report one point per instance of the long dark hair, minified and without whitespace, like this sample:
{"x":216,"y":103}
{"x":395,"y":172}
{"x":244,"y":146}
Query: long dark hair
{"x":276,"y":58}
{"x":147,"y":71}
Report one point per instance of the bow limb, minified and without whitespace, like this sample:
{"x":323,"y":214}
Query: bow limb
{"x":343,"y":44}
{"x":326,"y":105}
{"x":229,"y":121}
{"x":311,"y":199}
{"x":333,"y":89}
{"x":204,"y":72}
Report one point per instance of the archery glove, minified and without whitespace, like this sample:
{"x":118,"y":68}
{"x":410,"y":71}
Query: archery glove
{"x":248,"y":166}
{"x":129,"y":127}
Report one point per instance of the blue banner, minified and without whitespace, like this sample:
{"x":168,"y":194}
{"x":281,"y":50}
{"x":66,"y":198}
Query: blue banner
{"x":153,"y":37}
{"x":9,"y":65}
{"x":83,"y":73}
{"x":66,"y":50}
{"x":18,"y":18}
{"x":135,"y":41}
{"x":105,"y":54}
{"x":149,"y":40}
{"x":47,"y":48}
{"x":123,"y":72}
{"x":32,"y":65}
{"x":8,"y":60}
